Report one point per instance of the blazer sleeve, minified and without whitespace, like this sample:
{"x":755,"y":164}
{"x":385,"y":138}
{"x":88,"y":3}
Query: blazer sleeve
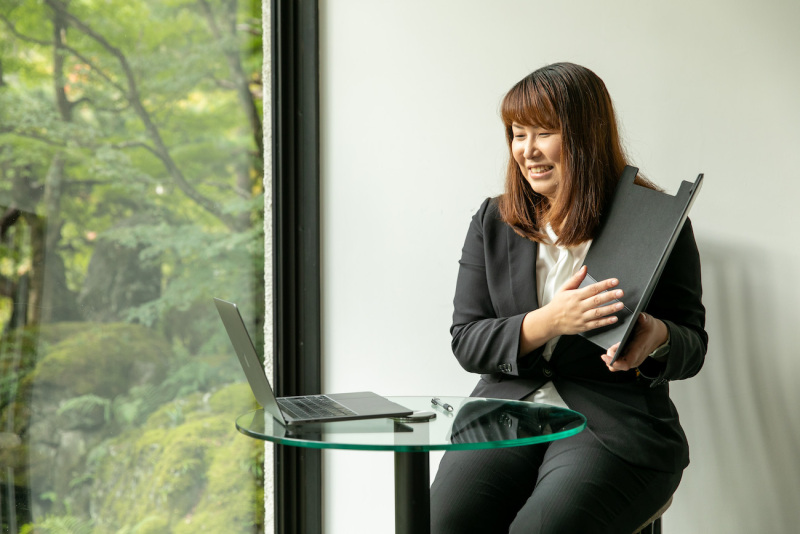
{"x":676,"y":300}
{"x":482,"y":341}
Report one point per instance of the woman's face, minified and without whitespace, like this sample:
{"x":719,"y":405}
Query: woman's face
{"x":537,"y":151}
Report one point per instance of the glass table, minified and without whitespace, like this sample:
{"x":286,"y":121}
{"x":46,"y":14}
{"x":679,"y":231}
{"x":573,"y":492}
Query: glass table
{"x":474,"y":423}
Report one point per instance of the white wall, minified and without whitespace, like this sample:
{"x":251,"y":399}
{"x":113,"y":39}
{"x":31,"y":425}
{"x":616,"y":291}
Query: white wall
{"x":412,"y":143}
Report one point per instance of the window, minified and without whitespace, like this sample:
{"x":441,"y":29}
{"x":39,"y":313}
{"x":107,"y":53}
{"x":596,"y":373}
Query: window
{"x":131,"y":193}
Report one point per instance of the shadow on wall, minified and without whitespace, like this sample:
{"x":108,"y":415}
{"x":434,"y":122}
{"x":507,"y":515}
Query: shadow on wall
{"x":740,"y":412}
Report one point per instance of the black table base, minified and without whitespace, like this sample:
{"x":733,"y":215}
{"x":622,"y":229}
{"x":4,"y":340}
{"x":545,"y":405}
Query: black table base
{"x":412,"y":494}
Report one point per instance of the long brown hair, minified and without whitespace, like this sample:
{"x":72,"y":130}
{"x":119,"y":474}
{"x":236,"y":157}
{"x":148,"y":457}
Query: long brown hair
{"x":573,"y":100}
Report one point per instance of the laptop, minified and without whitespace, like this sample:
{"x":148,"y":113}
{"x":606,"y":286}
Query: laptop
{"x":301,"y":409}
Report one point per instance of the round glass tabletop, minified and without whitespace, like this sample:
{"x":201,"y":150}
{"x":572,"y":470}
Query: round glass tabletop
{"x":474,"y":423}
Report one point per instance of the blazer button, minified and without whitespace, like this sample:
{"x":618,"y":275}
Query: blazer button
{"x":546,"y":371}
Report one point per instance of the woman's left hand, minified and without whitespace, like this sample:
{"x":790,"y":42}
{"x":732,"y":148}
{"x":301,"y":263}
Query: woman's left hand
{"x":648,"y":334}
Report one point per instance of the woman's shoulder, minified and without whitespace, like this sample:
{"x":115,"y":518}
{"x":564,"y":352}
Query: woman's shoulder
{"x":489,"y":209}
{"x":489,"y":220}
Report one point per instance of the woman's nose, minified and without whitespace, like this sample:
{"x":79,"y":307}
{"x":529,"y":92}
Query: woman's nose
{"x":530,"y":150}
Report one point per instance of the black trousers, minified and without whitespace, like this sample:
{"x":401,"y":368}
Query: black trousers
{"x":567,"y":486}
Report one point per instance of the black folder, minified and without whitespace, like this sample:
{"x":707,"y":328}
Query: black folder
{"x":633,"y":243}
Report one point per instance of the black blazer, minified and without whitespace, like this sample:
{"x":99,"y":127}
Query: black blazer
{"x":632,"y":416}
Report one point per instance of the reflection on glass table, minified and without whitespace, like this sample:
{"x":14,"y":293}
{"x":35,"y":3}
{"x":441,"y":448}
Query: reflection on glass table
{"x":474,"y":423}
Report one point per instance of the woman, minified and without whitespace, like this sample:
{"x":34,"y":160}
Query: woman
{"x":519,"y":308}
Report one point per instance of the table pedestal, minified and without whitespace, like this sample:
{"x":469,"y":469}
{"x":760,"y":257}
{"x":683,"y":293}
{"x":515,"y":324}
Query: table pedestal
{"x":412,"y":494}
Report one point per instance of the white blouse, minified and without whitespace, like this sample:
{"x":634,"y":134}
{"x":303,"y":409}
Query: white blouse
{"x":554,"y":266}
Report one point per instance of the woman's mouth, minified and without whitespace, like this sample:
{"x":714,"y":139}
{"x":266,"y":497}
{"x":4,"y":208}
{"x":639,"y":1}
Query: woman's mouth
{"x":539,"y":169}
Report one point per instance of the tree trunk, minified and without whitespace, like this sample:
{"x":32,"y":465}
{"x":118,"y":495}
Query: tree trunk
{"x":52,"y":300}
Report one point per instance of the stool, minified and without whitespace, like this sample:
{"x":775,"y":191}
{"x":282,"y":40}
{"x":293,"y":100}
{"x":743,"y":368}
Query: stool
{"x":653,"y":525}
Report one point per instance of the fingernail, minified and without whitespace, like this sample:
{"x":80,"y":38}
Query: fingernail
{"x":618,"y":293}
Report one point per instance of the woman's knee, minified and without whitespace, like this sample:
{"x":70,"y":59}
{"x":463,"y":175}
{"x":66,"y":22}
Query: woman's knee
{"x":478,"y":491}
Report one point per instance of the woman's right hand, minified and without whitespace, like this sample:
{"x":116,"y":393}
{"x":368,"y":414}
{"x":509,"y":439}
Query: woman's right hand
{"x":574,"y":309}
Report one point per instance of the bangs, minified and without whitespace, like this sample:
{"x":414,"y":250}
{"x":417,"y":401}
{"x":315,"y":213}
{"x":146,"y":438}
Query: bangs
{"x":529,"y":104}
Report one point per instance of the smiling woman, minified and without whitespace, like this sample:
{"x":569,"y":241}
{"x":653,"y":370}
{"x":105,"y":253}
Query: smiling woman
{"x":519,"y":309}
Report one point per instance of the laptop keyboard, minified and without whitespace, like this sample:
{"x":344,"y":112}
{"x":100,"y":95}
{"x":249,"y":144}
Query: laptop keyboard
{"x":313,"y":407}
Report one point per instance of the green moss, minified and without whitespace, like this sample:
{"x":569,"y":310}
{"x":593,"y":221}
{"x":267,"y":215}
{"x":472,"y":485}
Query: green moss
{"x":197,"y":470}
{"x":174,"y":413}
{"x":103,"y":359}
{"x":234,"y":469}
{"x":234,"y":398}
{"x":151,"y":525}
{"x":19,"y":412}
{"x":30,"y":337}
{"x":21,"y":350}
{"x":58,"y":332}
{"x":14,"y":459}
{"x":173,"y":464}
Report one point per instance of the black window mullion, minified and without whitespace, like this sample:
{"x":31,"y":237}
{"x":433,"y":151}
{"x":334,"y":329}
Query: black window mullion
{"x":296,"y":248}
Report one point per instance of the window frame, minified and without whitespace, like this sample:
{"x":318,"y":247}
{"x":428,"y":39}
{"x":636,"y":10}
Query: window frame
{"x":296,"y":248}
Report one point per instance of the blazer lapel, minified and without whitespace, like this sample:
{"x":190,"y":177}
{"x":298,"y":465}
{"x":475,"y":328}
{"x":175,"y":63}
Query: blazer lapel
{"x":522,"y":271}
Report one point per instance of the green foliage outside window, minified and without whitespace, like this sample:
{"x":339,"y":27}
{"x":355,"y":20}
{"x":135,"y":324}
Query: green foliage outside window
{"x":131,"y":192}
